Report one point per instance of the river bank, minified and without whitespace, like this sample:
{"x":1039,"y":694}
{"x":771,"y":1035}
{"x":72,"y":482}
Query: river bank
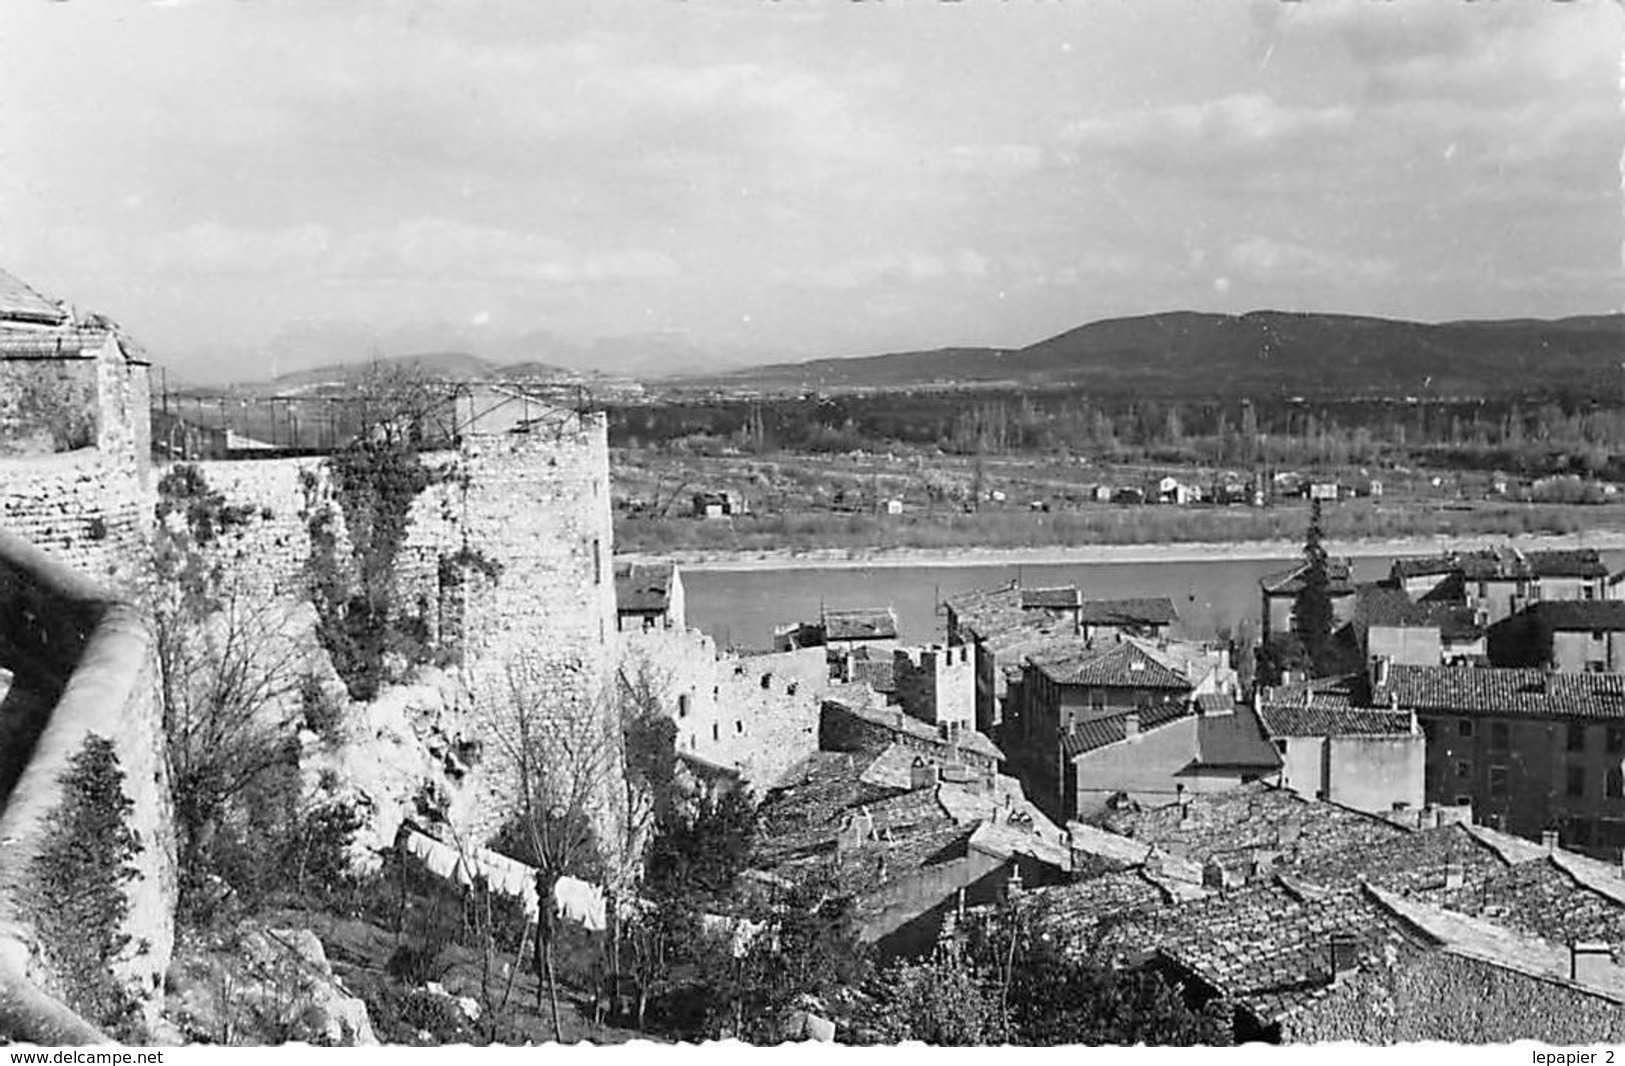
{"x":1091,"y":554}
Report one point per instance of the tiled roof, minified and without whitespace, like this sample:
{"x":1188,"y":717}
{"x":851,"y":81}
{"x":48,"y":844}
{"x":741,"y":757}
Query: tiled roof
{"x":1143,"y":611}
{"x":1062,"y":597}
{"x":1339,"y":574}
{"x":1329,"y":718}
{"x":1385,"y":605}
{"x":1098,"y":733}
{"x":1489,"y":942}
{"x":899,"y":722}
{"x":879,"y":674}
{"x":1234,"y":740}
{"x":1504,"y":692}
{"x":644,"y":587}
{"x":1266,"y":943}
{"x":871,"y":623}
{"x":1124,"y":665}
{"x":1506,"y":564}
{"x":1572,"y":615}
{"x":20,"y":303}
{"x":1269,"y":949}
{"x":1574,"y":562}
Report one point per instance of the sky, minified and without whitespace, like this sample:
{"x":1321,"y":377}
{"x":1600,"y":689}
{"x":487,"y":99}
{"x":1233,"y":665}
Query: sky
{"x":252,"y":186}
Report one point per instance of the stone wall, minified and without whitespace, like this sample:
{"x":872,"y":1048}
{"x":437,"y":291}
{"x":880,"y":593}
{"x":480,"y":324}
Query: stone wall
{"x":91,"y":657}
{"x":537,"y":645}
{"x":937,"y":684}
{"x":1440,"y":995}
{"x":75,"y":458}
{"x":82,"y":510}
{"x":756,"y":715}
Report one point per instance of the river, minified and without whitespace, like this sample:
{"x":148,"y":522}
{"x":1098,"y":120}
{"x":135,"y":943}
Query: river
{"x":740,"y":608}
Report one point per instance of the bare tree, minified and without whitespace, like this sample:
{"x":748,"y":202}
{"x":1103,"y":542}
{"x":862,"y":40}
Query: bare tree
{"x":230,"y":668}
{"x":561,"y":770}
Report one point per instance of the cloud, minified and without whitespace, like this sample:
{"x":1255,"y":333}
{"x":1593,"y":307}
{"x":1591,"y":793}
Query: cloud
{"x":893,"y":269}
{"x":1230,"y":127}
{"x":212,"y":248}
{"x":424,"y":249}
{"x":1263,"y":257}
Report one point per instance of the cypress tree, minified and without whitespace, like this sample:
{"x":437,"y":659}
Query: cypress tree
{"x":1312,"y":609}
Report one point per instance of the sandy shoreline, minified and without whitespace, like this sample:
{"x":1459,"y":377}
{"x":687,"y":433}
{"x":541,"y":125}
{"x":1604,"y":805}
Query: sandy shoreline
{"x":838,"y":558}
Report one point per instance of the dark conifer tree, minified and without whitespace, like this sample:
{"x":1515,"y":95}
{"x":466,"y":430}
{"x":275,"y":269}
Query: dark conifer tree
{"x":1312,"y":609}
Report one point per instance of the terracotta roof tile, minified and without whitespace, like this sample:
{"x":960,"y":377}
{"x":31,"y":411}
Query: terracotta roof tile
{"x":1504,"y":692}
{"x":1124,"y":665}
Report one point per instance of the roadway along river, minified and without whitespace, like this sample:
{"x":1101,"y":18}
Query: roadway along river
{"x":740,"y":607}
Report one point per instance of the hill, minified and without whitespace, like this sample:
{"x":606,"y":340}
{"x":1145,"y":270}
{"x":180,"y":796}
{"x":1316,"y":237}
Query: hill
{"x":445,"y":366}
{"x":1189,"y":354}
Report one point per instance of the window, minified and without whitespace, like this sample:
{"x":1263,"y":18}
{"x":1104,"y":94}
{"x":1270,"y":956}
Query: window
{"x":1464,"y":769}
{"x":716,"y":731}
{"x":1498,"y":782}
{"x":1483,"y":590}
{"x":739,"y":726}
{"x":683,"y":705}
{"x":1097,"y":699}
{"x":1596,"y":666}
{"x":1500,"y":736}
{"x":597,"y":561}
{"x":1577,"y":736}
{"x":1596,"y":635}
{"x":1614,"y":784}
{"x":1616,"y":739}
{"x":1577,"y":781}
{"x":1280,"y":746}
{"x":1588,"y":592}
{"x":1465,"y":727}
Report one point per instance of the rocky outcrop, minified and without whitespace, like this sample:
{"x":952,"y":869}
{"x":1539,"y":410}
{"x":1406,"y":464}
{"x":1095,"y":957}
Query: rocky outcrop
{"x":263,"y":986}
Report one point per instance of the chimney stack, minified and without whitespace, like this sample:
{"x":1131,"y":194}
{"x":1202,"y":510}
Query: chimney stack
{"x":1548,"y":840}
{"x":1379,"y":671}
{"x":1344,"y":951}
{"x":1589,"y":961}
{"x":1131,"y":724}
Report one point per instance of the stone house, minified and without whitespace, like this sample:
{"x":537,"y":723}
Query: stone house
{"x":1279,"y":591}
{"x":1316,"y":922}
{"x":649,"y":596}
{"x":1531,"y":750}
{"x":1569,"y":636}
{"x":911,"y":837}
{"x":1368,"y":759}
{"x":75,"y":433}
{"x":1206,"y":744}
{"x":1500,"y":582}
{"x":1006,"y":624}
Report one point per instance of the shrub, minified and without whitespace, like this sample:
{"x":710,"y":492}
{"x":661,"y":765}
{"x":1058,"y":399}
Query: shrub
{"x":79,"y":905}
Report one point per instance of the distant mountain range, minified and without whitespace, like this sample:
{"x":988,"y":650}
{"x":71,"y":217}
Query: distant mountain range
{"x":1177,"y":354}
{"x":1189,"y":354}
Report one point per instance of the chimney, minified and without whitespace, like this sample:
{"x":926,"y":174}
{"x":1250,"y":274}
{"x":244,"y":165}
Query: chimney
{"x":921,"y":774}
{"x":1379,"y":671}
{"x":1131,"y":725}
{"x":1590,"y":961}
{"x":1013,"y":888}
{"x":1548,"y":840}
{"x":1344,"y":949}
{"x":1455,"y":875}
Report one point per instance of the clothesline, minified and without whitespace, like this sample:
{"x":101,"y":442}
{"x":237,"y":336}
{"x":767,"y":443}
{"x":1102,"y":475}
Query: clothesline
{"x":574,"y":900}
